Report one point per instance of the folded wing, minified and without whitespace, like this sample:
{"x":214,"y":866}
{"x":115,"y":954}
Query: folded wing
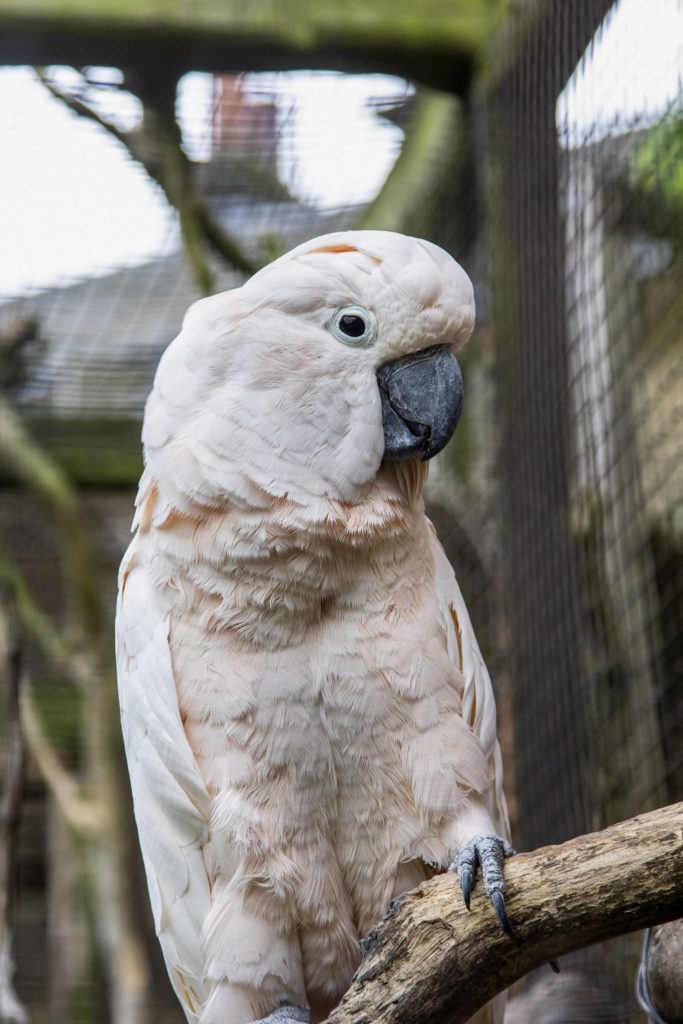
{"x":170,"y":799}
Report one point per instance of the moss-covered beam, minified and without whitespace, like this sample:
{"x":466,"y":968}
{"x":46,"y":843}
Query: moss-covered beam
{"x":426,"y":40}
{"x":102,"y":452}
{"x":405,"y":196}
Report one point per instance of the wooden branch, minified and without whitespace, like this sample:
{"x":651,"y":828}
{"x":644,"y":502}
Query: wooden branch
{"x":157,"y":146}
{"x":77,"y":106}
{"x":39,"y":627}
{"x":83,"y":815}
{"x":41,"y":475}
{"x":414,"y":178}
{"x":432,"y":962}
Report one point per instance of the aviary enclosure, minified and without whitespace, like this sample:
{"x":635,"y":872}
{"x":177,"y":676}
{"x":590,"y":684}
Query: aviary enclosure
{"x":541,"y":143}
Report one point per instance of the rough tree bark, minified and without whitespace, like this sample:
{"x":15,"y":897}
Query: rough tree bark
{"x":432,"y":962}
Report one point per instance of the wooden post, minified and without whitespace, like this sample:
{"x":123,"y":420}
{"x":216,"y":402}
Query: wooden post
{"x":11,"y":776}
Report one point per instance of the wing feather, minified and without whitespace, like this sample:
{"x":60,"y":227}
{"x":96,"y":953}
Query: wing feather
{"x":169,"y":796}
{"x":478,"y":710}
{"x":478,"y":702}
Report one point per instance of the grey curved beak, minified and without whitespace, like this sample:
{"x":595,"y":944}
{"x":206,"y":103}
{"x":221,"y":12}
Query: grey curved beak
{"x":422,"y":397}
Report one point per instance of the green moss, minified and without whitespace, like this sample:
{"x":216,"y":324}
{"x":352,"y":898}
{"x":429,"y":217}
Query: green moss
{"x":406,"y":200}
{"x":301,"y":24}
{"x":423,"y":40}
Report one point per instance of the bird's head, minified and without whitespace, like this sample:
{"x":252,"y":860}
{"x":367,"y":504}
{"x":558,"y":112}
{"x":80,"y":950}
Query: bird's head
{"x":332,"y":359}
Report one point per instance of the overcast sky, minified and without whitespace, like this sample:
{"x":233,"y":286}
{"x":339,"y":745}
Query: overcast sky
{"x":74,"y":204}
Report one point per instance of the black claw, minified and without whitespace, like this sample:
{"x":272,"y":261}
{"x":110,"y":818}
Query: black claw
{"x":466,"y":885}
{"x":498,"y":901}
{"x":490,"y":852}
{"x":555,"y":966}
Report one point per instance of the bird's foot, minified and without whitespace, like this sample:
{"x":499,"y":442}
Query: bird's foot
{"x":490,"y":852}
{"x":286,"y":1015}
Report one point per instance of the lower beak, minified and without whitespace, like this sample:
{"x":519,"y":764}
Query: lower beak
{"x":422,"y":396}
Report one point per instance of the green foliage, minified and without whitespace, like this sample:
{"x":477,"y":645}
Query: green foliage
{"x":655,"y":178}
{"x":658,"y":163}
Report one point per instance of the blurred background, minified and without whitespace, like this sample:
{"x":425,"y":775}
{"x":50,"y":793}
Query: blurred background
{"x":153,"y":153}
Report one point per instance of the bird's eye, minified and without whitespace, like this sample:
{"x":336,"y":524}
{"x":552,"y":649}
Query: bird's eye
{"x":354,"y":325}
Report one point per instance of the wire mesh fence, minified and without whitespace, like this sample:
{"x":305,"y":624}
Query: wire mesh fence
{"x":589,"y":358}
{"x":559,"y":187}
{"x":586,"y":263}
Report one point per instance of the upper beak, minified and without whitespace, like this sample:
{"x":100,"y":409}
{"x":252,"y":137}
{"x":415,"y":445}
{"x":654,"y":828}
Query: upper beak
{"x":422,"y":397}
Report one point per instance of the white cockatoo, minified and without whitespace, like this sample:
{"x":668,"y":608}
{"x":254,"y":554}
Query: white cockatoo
{"x":309,"y":725}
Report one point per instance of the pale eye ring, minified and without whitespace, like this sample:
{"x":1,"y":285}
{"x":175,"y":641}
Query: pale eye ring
{"x":354,"y":325}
